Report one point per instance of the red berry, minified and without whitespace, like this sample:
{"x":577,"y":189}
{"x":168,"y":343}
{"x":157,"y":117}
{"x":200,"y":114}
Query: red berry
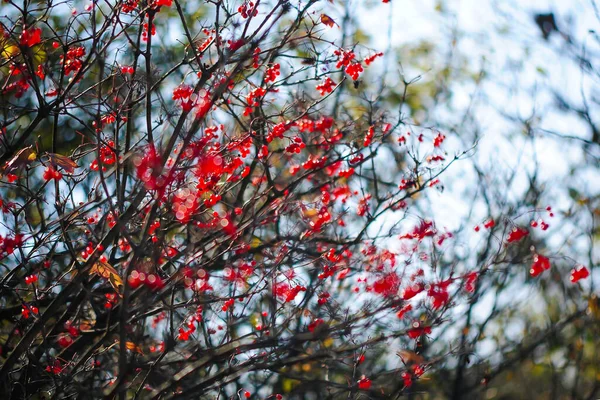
{"x":579,"y":273}
{"x":364,"y":383}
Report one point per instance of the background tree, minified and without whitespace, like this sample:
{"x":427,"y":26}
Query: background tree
{"x":244,"y":199}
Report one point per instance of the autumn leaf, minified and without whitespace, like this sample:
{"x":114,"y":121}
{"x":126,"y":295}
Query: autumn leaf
{"x":38,"y":55}
{"x":134,"y":347}
{"x":255,"y":242}
{"x":64,"y":162}
{"x":23,"y":157}
{"x":327,"y":20}
{"x":594,"y":306}
{"x":327,"y":343}
{"x":8,"y":49}
{"x":310,"y":212}
{"x":106,"y":271}
{"x":410,"y":357}
{"x":87,"y":325}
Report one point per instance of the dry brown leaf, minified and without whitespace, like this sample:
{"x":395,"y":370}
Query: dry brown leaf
{"x":66,"y":163}
{"x":327,"y":20}
{"x":410,"y":357}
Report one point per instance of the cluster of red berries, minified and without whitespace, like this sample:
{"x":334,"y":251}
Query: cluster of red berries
{"x":470,"y":281}
{"x":26,"y":310}
{"x":517,"y":234}
{"x":241,"y":274}
{"x":151,"y":281}
{"x":323,"y":217}
{"x":272,"y":73}
{"x":489,"y":224}
{"x":438,"y":292}
{"x":8,"y":244}
{"x":56,"y":368}
{"x":51,"y":173}
{"x":314,"y":162}
{"x":543,"y":225}
{"x":364,"y":383}
{"x":578,"y":273}
{"x":286,"y":292}
{"x":128,"y":6}
{"x":207,"y":42}
{"x":418,"y":330}
{"x":369,"y":136}
{"x":124,"y":245}
{"x":323,"y":298}
{"x":111,"y":300}
{"x":387,"y":285}
{"x":421,"y":231}
{"x":326,"y":86}
{"x":72,"y":62}
{"x":149,"y":168}
{"x":252,"y":99}
{"x":432,"y":158}
{"x":279,"y":130}
{"x":372,"y":58}
{"x":235,"y":44}
{"x":162,"y":3}
{"x":402,"y":312}
{"x":228,"y":304}
{"x":145,"y":32}
{"x":540,"y":264}
{"x":438,"y":140}
{"x":314,"y":324}
{"x":344,"y":57}
{"x":248,"y":9}
{"x":89,"y":249}
{"x":296,"y":146}
{"x":127,"y":69}
{"x":346,"y":173}
{"x":363,"y":205}
{"x":354,"y":70}
{"x":182,"y":92}
{"x":185,"y":203}
{"x":310,"y":126}
{"x":30,"y":37}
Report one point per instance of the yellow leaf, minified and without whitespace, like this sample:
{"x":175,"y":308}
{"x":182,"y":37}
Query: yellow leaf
{"x":254,"y":320}
{"x":106,"y":271}
{"x":23,"y":157}
{"x":255,"y":242}
{"x":134,"y":347}
{"x":311,"y":212}
{"x":288,"y":384}
{"x":39,"y":55}
{"x":9,"y":50}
